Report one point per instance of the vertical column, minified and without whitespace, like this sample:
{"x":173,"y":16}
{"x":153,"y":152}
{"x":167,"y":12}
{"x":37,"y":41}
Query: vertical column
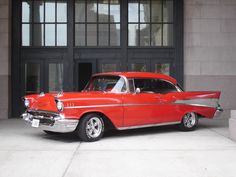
{"x":4,"y":58}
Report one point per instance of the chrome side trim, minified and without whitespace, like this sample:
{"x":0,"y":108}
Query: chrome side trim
{"x":149,"y":125}
{"x":206,"y":102}
{"x":111,"y":105}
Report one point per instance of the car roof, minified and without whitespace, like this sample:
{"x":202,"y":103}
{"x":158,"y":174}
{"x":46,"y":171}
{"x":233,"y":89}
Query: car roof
{"x":140,"y":75}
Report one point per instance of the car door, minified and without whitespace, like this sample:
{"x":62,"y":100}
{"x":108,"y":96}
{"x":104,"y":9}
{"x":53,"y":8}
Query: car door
{"x":154,"y":104}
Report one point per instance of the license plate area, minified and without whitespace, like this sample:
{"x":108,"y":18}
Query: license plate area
{"x":35,"y":123}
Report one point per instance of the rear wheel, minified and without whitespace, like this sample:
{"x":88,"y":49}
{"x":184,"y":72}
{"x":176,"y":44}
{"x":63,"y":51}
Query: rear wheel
{"x":90,"y":128}
{"x":189,"y":122}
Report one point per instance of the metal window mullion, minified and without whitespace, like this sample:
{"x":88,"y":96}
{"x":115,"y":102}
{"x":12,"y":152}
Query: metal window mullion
{"x":109,"y":23}
{"x":32,"y":25}
{"x":150,"y":22}
{"x":162,"y":25}
{"x":138,"y":22}
{"x":44,"y":31}
{"x":55,"y":22}
{"x":85,"y":23}
{"x":97,"y":25}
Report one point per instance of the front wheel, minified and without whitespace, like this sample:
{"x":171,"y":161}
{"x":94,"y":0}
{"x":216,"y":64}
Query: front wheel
{"x":90,"y":128}
{"x":189,"y":122}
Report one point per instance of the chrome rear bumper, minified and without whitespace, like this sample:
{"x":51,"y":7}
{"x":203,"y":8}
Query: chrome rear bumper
{"x":219,"y":111}
{"x":51,"y":122}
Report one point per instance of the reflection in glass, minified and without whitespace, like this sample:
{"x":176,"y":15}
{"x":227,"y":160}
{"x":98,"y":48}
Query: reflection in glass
{"x":144,"y":11}
{"x":91,"y":35}
{"x":49,"y":34}
{"x":114,"y":34}
{"x":49,"y":11}
{"x":167,"y":35}
{"x":61,"y":35}
{"x":144,"y":35}
{"x":133,"y":35}
{"x":141,"y":67}
{"x":156,"y":11}
{"x":38,"y":35}
{"x":39,"y":11}
{"x":55,"y":77}
{"x":80,"y":11}
{"x":156,"y":35}
{"x":168,"y":11}
{"x":32,"y":78}
{"x":163,"y":68}
{"x":92,"y":11}
{"x":79,"y":35}
{"x":133,"y":11}
{"x":103,"y":34}
{"x":26,"y":35}
{"x":114,"y":11}
{"x":61,"y":11}
{"x":103,"y":11}
{"x":26,"y":9}
{"x":109,"y":67}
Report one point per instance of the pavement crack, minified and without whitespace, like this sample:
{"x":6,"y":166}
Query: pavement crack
{"x":71,"y":159}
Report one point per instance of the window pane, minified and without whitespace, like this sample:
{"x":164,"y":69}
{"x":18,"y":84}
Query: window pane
{"x":167,"y":35}
{"x":38,"y":35}
{"x":80,"y":11}
{"x":103,"y":34}
{"x":55,"y":77}
{"x":114,"y":11}
{"x":91,"y":35}
{"x":39,"y":11}
{"x":115,"y":34}
{"x":139,"y":67}
{"x":50,"y":35}
{"x":49,"y":11}
{"x":133,"y":11}
{"x":26,"y":11}
{"x":144,"y":35}
{"x":163,"y":68}
{"x":103,"y":11}
{"x":84,"y":78}
{"x":61,"y":11}
{"x":156,"y":11}
{"x":26,"y":35}
{"x":111,"y":67}
{"x":168,"y":11}
{"x":156,"y":35}
{"x":144,"y":11}
{"x":92,"y":11}
{"x":61,"y":35}
{"x":32,"y":78}
{"x":133,"y":35}
{"x":80,"y":35}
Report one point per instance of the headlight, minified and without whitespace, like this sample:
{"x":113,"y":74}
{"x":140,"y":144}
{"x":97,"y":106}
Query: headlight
{"x":60,"y":106}
{"x":27,"y":103}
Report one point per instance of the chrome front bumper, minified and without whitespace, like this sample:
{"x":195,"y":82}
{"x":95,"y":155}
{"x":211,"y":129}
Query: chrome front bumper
{"x":54,"y":122}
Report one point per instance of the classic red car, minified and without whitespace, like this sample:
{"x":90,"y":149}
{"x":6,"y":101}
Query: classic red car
{"x":120,"y":100}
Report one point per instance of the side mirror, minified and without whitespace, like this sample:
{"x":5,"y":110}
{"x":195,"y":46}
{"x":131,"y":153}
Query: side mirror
{"x":137,"y":90}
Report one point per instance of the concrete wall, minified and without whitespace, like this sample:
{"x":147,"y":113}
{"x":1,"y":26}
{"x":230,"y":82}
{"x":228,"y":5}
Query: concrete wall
{"x":210,"y":47}
{"x":4,"y":58}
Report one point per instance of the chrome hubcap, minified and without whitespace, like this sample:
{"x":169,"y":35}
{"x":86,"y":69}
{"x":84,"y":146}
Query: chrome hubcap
{"x":94,"y":127}
{"x":189,"y":120}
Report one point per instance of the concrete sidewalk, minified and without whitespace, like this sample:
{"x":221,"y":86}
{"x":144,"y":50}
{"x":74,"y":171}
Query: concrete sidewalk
{"x":150,"y":152}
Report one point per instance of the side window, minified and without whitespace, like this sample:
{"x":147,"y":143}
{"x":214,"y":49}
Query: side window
{"x":165,"y":87}
{"x":154,"y":86}
{"x":131,"y":85}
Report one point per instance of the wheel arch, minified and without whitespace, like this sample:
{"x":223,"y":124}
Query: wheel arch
{"x":107,"y":121}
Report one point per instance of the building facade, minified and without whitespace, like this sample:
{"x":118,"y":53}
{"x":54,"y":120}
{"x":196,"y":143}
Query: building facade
{"x":54,"y":45}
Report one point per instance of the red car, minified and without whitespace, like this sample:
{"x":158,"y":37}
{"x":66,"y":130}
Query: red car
{"x":120,"y":100}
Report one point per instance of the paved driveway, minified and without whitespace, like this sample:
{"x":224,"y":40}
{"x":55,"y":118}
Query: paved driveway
{"x":150,"y":152}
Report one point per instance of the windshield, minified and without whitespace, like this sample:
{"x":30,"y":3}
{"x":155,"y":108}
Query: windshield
{"x":113,"y":84}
